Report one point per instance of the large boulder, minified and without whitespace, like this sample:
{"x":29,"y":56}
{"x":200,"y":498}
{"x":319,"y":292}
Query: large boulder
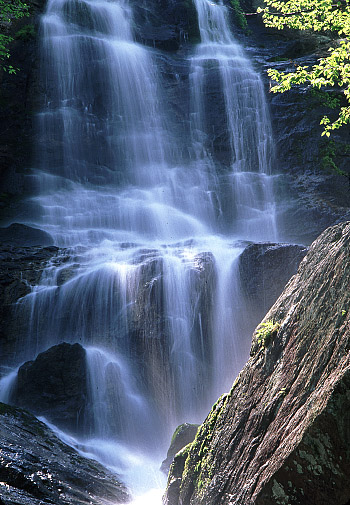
{"x":183,"y":435}
{"x":55,"y":386}
{"x":265,"y":269}
{"x":36,"y":468}
{"x":281,"y":435}
{"x":24,"y":236}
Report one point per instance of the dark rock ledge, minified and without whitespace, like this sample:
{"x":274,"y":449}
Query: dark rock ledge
{"x":20,"y":235}
{"x":21,"y":268}
{"x":36,"y":468}
{"x":281,"y":436}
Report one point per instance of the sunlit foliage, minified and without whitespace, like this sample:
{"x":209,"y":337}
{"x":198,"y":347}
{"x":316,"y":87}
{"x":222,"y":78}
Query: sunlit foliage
{"x":332,"y":70}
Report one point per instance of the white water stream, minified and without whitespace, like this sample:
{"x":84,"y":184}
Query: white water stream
{"x":149,"y":285}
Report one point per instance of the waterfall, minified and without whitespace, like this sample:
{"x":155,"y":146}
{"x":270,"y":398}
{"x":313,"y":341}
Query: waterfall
{"x":219,"y":62}
{"x":148,"y":279}
{"x":7,"y":383}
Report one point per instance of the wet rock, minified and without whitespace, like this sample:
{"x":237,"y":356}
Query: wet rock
{"x":36,"y":468}
{"x":281,"y":436}
{"x":175,"y":476}
{"x":183,"y":435}
{"x":54,"y":386}
{"x":165,"y":24}
{"x":264,"y":271}
{"x":149,"y":330}
{"x":19,"y":98}
{"x":21,"y":269}
{"x":314,"y":196}
{"x":21,"y":235}
{"x":65,"y":274}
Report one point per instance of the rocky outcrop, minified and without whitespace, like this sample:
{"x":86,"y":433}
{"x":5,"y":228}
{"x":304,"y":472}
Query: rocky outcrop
{"x":55,"y":386}
{"x":21,"y":268}
{"x":281,"y":435}
{"x":36,"y":468}
{"x":314,"y":193}
{"x":183,"y":435}
{"x":264,"y":271}
{"x":317,"y":195}
{"x":24,"y":236}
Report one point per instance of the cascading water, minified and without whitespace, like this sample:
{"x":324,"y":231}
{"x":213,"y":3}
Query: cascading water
{"x":148,"y":284}
{"x":219,"y":60}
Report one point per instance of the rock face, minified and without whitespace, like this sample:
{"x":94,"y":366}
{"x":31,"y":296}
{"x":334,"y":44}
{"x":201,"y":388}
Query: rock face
{"x":165,"y":24}
{"x":55,"y":386}
{"x":20,"y":95}
{"x":183,"y":435}
{"x":281,"y":436}
{"x":21,"y":268}
{"x":315,"y":196}
{"x":264,"y":271}
{"x":36,"y":468}
{"x":24,"y":236}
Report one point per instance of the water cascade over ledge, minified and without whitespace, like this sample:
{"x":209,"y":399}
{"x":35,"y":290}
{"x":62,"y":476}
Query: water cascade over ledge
{"x":149,"y":283}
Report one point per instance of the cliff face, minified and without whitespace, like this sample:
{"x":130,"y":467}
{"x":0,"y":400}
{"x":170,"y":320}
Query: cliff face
{"x":281,"y":435}
{"x":316,"y":195}
{"x":20,"y":97}
{"x":21,"y":268}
